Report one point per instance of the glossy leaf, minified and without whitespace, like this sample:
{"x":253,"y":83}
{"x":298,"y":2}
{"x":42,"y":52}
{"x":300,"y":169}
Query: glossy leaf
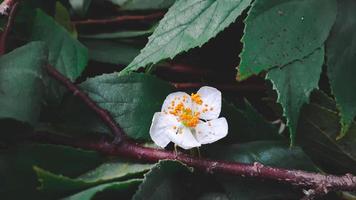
{"x":90,"y":193}
{"x":131,"y":99}
{"x":186,"y":25}
{"x":278,"y":32}
{"x":21,"y":83}
{"x":294,"y":83}
{"x":66,"y":54}
{"x":340,"y":53}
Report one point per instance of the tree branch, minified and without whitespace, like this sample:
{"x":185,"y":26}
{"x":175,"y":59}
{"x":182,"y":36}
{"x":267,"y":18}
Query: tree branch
{"x":120,"y":19}
{"x":311,"y":181}
{"x":5,"y":5}
{"x":103,"y":114}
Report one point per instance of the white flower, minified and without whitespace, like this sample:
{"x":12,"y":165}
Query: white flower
{"x":189,"y":120}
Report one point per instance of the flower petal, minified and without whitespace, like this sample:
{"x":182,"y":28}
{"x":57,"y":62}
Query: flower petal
{"x":211,"y":106}
{"x":163,"y":125}
{"x":174,"y":99}
{"x":184,"y":138}
{"x":211,"y":131}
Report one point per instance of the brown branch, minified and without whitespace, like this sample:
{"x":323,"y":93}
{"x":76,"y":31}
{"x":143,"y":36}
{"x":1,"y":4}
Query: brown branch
{"x":12,"y":5}
{"x":307,"y":180}
{"x":120,"y":19}
{"x":103,"y":114}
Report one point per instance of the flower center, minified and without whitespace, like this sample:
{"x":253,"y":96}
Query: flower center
{"x":185,"y":115}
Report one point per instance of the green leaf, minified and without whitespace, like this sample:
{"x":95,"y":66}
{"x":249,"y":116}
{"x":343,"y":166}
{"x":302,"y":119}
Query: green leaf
{"x":80,"y":6}
{"x":131,"y":99}
{"x":164,"y":181}
{"x":340,"y":51}
{"x":317,"y":131}
{"x":294,"y":83}
{"x":142,"y":4}
{"x":17,"y":167}
{"x":62,"y":16}
{"x":120,"y":34}
{"x":114,"y":170}
{"x":21,"y":83}
{"x":269,"y":153}
{"x":278,"y":32}
{"x":66,"y":54}
{"x":187,"y":24}
{"x":107,"y":51}
{"x":121,"y":187}
{"x":214,"y":196}
{"x":246,"y":124}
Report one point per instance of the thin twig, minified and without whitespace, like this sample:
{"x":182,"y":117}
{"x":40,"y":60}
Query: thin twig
{"x":120,"y":19}
{"x":9,"y":24}
{"x":128,"y":149}
{"x":103,"y":114}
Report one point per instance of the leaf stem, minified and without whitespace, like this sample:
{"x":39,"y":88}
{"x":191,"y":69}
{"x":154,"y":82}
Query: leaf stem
{"x":316,"y":182}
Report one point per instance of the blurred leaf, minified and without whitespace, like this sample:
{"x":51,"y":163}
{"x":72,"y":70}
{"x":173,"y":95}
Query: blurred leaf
{"x":119,"y":34}
{"x":187,"y":24}
{"x":90,"y":193}
{"x":21,"y":83}
{"x":63,"y":18}
{"x":269,"y":153}
{"x":298,"y":29}
{"x":246,"y":124}
{"x":16,"y":167}
{"x":143,"y":4}
{"x":131,"y":99}
{"x":110,"y":51}
{"x":317,"y":132}
{"x":340,"y":53}
{"x":66,"y":54}
{"x":80,"y":6}
{"x":59,"y":184}
{"x":164,"y":181}
{"x":294,"y":83}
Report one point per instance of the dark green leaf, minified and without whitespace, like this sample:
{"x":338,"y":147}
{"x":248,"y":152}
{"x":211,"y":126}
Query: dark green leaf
{"x":164,"y":181}
{"x":317,"y":131}
{"x":278,"y":32}
{"x":59,"y":184}
{"x":119,"y":34}
{"x":66,"y":54}
{"x":131,"y":99}
{"x":246,"y":124}
{"x":110,"y":51}
{"x":62,"y":16}
{"x":143,"y":4}
{"x":294,"y":83}
{"x":341,"y":58}
{"x":16,"y":167}
{"x":121,"y":187}
{"x":188,"y":24}
{"x":21,"y":83}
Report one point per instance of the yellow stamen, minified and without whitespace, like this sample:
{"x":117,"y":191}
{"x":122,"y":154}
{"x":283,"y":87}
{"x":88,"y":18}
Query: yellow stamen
{"x":185,"y":115}
{"x":196,"y":98}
